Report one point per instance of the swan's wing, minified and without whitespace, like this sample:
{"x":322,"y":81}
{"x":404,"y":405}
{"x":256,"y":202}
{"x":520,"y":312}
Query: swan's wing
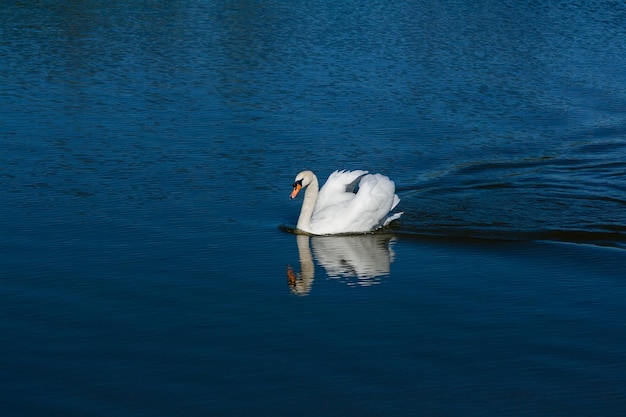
{"x":338,"y":188}
{"x":374,"y":201}
{"x":367,"y":210}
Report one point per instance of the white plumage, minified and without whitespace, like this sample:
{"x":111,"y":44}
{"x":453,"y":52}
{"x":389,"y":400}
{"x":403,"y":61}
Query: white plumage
{"x":349,"y":202}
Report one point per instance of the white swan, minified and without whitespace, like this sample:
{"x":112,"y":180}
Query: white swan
{"x":349,"y":202}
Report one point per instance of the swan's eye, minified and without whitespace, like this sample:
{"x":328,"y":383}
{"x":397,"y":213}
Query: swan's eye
{"x":297,"y":183}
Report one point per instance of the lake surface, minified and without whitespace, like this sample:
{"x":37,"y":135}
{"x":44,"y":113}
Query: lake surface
{"x":147,"y":150}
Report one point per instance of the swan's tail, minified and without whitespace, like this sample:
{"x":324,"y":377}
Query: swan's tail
{"x":392,"y":217}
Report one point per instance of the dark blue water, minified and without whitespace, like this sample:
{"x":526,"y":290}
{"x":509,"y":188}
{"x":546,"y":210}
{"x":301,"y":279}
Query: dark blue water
{"x":146,"y":154}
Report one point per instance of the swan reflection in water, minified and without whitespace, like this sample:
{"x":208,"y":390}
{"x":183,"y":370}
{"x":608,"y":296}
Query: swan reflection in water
{"x":357,"y":260}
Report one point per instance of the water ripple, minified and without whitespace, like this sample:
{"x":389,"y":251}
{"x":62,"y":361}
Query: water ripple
{"x":567,"y":199}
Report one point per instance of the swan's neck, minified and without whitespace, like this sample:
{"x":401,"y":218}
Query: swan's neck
{"x":308,"y":205}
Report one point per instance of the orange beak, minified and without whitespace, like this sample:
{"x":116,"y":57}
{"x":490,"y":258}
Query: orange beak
{"x":296,"y":189}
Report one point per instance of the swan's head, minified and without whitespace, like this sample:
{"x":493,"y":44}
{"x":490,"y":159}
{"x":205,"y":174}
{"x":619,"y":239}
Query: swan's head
{"x":302,"y":180}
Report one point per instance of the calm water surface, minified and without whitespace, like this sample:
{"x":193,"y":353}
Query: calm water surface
{"x":147,"y":152}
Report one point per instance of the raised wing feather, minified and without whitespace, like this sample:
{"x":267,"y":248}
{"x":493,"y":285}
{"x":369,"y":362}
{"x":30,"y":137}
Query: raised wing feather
{"x":338,"y":188}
